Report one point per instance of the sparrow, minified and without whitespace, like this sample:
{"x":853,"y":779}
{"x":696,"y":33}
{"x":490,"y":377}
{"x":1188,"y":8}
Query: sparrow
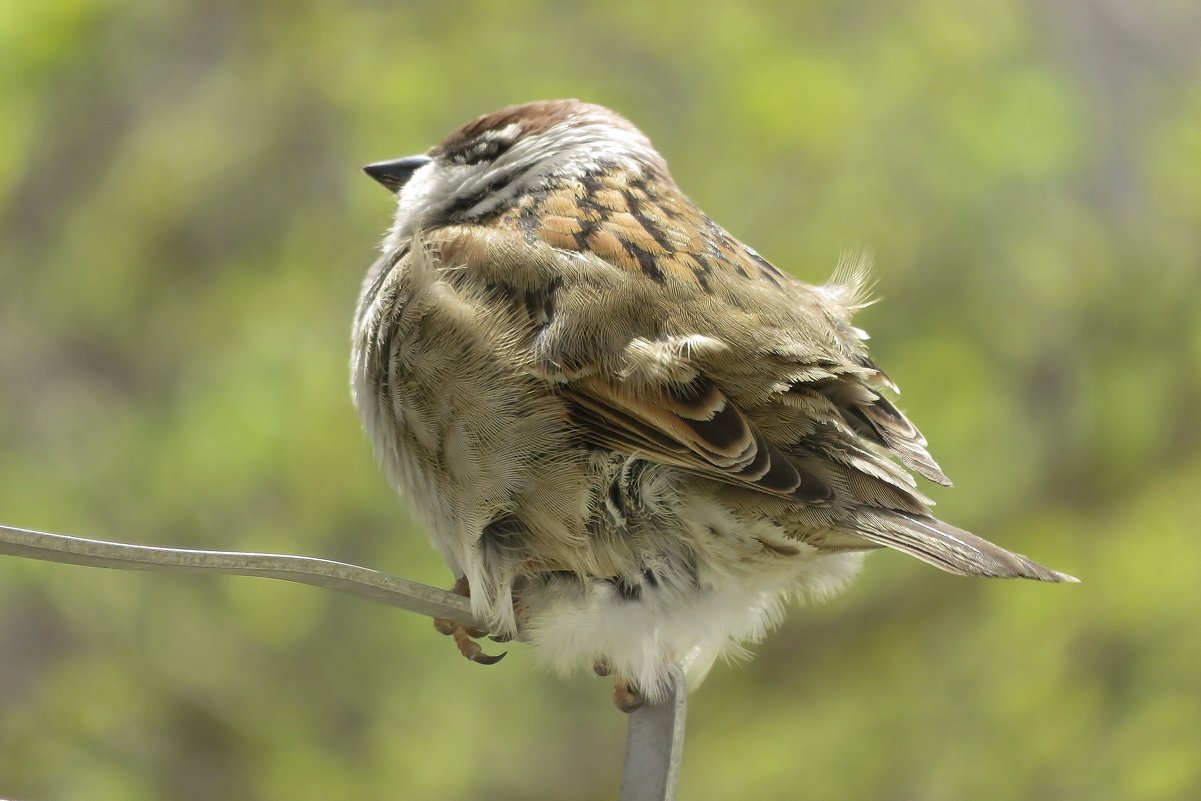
{"x":631,"y":436}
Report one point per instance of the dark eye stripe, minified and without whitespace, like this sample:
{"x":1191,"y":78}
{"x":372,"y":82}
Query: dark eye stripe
{"x":479,"y":151}
{"x":464,"y":204}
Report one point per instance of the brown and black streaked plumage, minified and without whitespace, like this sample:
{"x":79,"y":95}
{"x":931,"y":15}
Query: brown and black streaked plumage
{"x":629,"y":434}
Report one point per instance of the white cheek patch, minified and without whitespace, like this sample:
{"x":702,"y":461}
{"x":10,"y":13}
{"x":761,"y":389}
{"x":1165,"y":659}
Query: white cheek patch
{"x":431,"y":187}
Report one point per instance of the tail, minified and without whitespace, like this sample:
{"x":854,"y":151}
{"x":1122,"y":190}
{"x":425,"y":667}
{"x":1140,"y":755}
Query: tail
{"x":949,"y":548}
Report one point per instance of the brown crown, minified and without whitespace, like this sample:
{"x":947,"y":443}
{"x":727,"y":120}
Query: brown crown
{"x":533,"y":119}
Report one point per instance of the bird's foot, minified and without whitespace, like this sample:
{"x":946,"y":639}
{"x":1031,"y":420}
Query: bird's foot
{"x":626,"y":696}
{"x":465,"y":636}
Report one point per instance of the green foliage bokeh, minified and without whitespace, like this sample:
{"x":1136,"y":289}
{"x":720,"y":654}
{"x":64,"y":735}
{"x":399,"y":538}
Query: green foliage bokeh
{"x":183,"y":232}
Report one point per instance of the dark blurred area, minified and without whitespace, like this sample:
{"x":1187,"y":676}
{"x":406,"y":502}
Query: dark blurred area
{"x":183,"y":227}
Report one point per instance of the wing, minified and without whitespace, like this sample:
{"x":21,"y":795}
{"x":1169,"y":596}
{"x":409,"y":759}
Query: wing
{"x":736,"y":377}
{"x":694,"y":426}
{"x":747,"y":377}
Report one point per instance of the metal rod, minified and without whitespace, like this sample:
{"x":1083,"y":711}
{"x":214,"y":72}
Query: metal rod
{"x":655,"y":738}
{"x":361,"y":581}
{"x":655,"y":746}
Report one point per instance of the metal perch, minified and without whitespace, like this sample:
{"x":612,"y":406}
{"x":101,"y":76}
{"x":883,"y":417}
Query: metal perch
{"x":655,"y":738}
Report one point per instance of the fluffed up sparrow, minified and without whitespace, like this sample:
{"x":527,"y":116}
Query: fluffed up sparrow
{"x":630,"y":435}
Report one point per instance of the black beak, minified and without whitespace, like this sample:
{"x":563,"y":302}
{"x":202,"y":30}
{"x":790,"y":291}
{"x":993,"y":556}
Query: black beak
{"x":394,"y":174}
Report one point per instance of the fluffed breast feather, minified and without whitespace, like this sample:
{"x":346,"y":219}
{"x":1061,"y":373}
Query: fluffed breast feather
{"x":762,"y":385}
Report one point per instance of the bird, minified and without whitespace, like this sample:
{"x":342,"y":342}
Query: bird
{"x":632,"y":438}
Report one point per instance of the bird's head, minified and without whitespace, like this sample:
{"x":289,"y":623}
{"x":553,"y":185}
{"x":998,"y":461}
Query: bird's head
{"x":482,"y":167}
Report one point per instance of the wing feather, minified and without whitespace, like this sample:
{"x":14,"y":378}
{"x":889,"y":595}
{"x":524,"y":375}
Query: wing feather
{"x":693,"y":374}
{"x":886,"y":424}
{"x":697,"y":427}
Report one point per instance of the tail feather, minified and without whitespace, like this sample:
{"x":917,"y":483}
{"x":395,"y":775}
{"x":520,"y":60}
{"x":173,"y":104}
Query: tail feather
{"x":949,"y":548}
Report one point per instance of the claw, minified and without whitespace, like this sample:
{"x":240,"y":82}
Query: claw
{"x":463,"y":635}
{"x":472,"y":650}
{"x":627,"y":698}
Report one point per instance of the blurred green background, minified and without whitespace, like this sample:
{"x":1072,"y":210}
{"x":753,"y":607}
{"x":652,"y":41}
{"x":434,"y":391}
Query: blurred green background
{"x":184,"y":228}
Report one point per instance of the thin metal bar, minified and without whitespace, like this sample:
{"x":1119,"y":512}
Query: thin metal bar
{"x":655,"y":737}
{"x":361,"y":581}
{"x":655,"y":746}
